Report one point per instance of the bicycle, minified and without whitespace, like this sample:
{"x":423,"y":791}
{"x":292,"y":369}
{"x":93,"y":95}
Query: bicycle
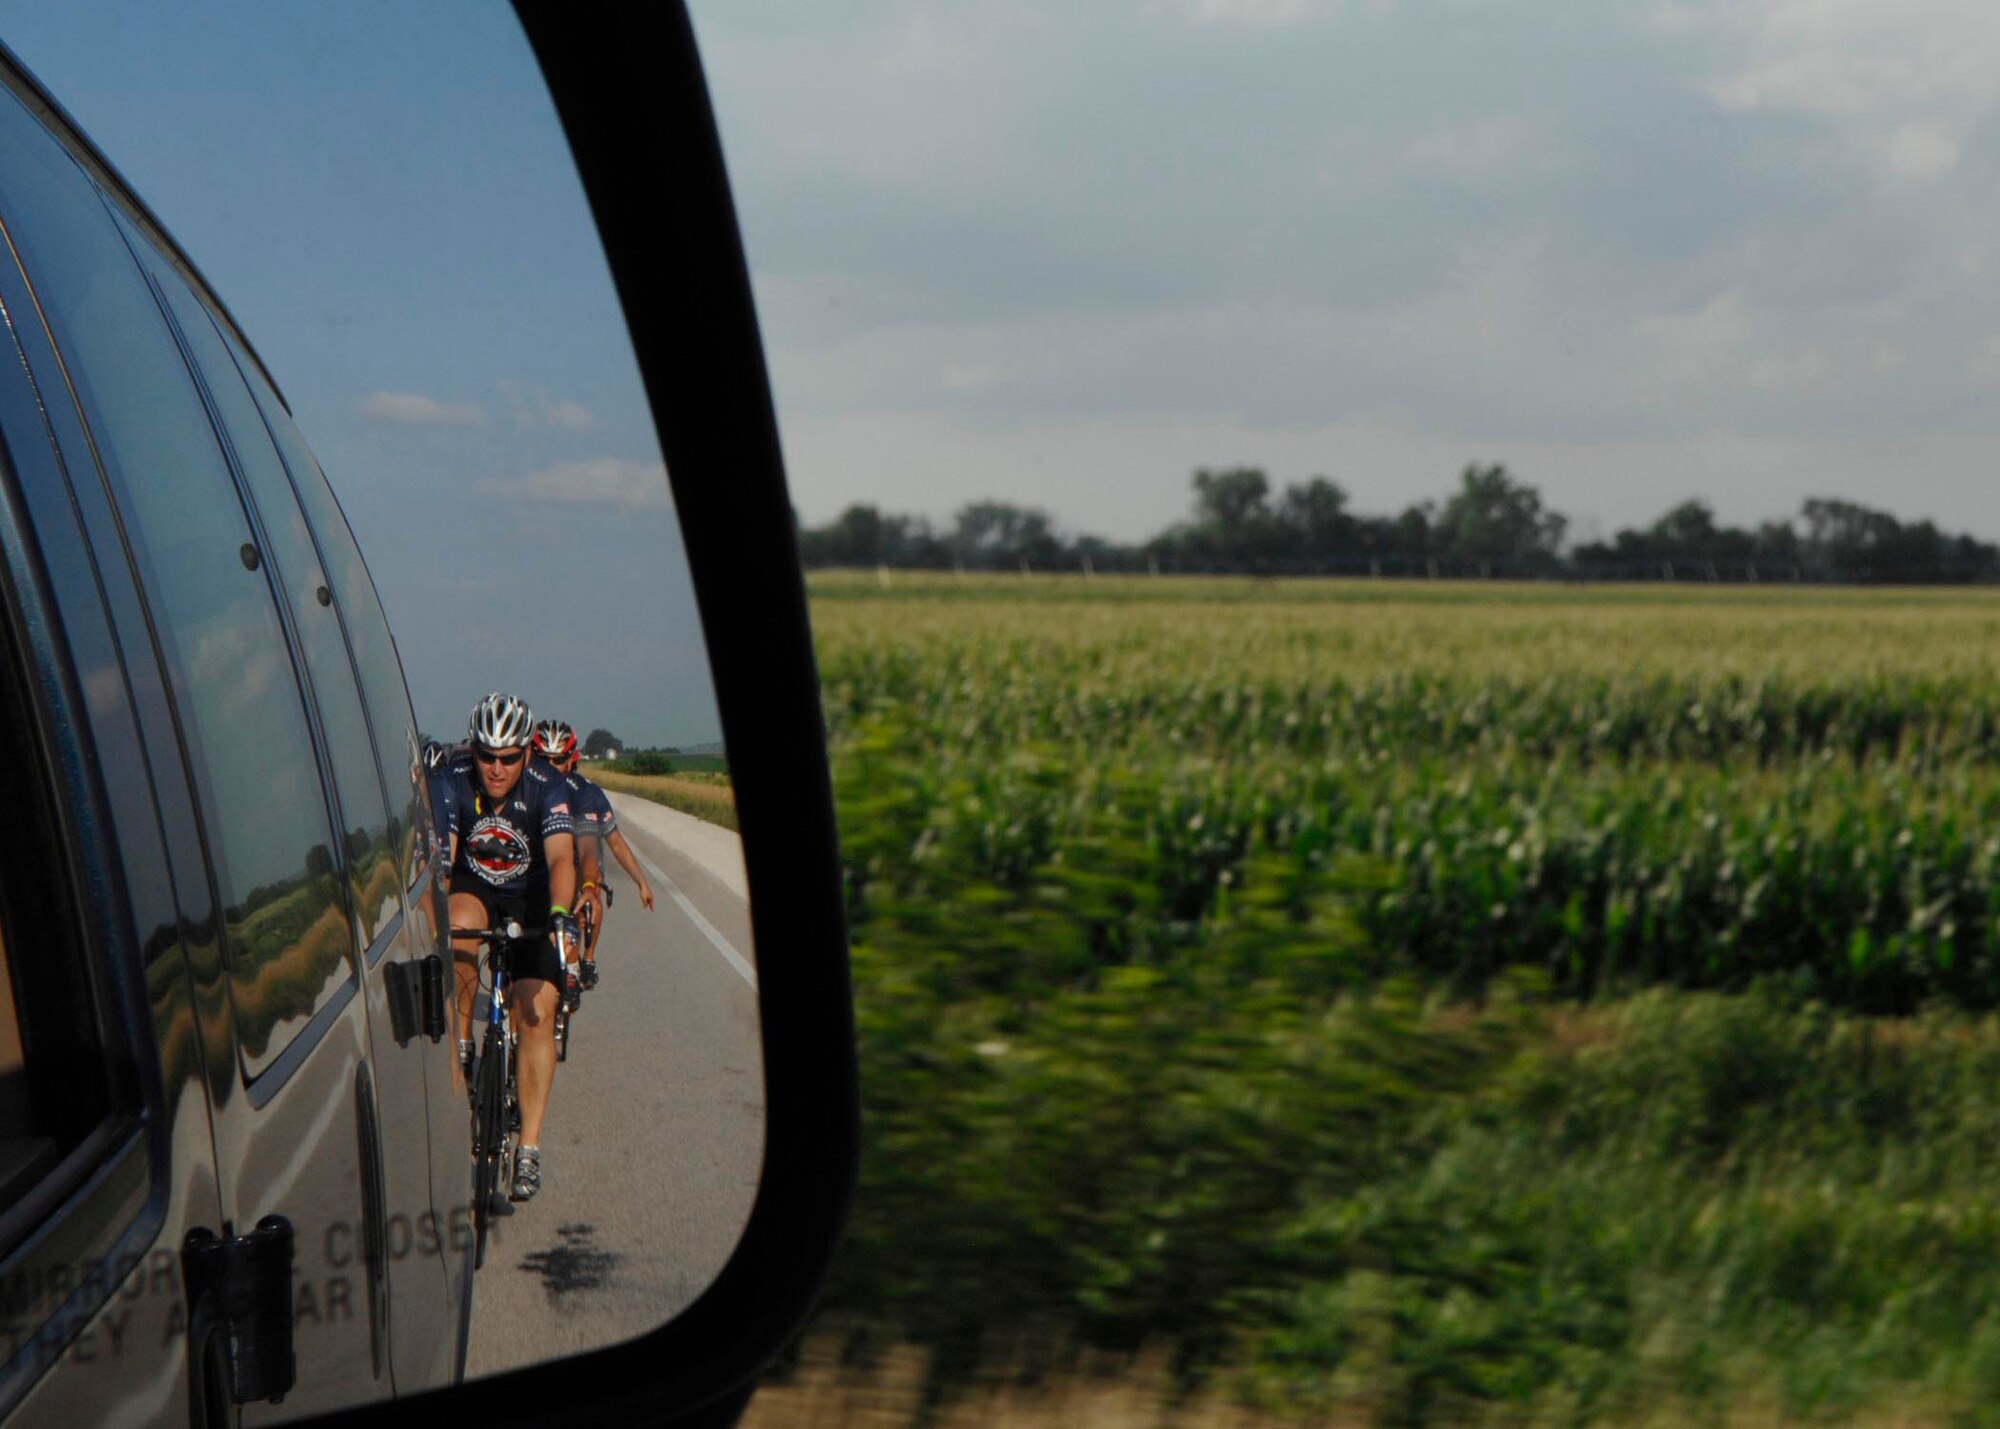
{"x":586,"y":923}
{"x":496,"y":1107}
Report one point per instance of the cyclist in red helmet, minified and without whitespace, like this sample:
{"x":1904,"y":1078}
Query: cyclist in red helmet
{"x":596,"y":824}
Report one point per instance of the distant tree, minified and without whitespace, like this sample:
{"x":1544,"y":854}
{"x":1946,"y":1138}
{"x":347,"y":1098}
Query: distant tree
{"x":1845,"y":540}
{"x":1316,"y":521}
{"x":1496,"y":519}
{"x":600,"y":742}
{"x":1689,"y":527}
{"x":1234,"y":505}
{"x":993,"y":533}
{"x":863,"y":536}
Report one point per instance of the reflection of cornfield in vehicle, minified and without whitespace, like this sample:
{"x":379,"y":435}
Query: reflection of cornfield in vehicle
{"x":1427,"y":1004}
{"x":289,"y":939}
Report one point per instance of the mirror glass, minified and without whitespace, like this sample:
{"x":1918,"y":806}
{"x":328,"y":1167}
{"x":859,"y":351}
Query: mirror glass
{"x":384,"y":200}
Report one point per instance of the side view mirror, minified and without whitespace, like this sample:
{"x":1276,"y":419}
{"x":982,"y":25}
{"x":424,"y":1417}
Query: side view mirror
{"x":628,"y":87}
{"x":246,"y":1168}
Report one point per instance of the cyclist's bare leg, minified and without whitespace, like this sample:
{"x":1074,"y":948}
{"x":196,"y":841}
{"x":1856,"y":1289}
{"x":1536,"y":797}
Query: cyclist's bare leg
{"x":466,"y":912}
{"x":533,"y":1002}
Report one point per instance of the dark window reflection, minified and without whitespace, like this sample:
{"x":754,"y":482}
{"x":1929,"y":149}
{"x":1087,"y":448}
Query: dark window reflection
{"x":231,"y":673}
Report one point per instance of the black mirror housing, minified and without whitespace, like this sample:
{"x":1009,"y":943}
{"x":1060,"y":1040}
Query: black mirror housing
{"x":627,"y":86}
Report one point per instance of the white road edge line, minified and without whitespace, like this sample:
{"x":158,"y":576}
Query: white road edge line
{"x":722,"y":945}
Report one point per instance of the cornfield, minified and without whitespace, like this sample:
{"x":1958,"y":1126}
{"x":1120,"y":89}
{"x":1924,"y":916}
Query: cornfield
{"x":1405,"y":1004}
{"x":1697,"y":791}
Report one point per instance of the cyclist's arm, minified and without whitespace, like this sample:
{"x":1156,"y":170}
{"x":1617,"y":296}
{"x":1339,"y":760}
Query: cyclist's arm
{"x":591,"y":872}
{"x":560,"y":851}
{"x":622,"y":851}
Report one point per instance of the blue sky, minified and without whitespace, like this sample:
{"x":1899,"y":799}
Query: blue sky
{"x":381,"y":195}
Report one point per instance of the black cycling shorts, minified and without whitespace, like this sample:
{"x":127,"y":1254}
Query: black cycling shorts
{"x":535,"y":957}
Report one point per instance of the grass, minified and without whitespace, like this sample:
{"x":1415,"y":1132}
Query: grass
{"x":705,"y":795}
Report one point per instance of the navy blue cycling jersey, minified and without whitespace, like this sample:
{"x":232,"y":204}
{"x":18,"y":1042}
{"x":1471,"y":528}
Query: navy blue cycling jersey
{"x":443,"y":820}
{"x":503,"y":847}
{"x":590,"y":809}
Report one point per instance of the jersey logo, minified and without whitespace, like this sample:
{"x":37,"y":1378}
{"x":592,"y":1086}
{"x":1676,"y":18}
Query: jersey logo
{"x":497,"y":851}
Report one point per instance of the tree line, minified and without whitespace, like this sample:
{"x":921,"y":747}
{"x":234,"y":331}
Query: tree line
{"x":1492,"y":525}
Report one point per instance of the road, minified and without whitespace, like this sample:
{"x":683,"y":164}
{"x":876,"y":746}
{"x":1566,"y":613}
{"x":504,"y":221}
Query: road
{"x":655,"y":1130}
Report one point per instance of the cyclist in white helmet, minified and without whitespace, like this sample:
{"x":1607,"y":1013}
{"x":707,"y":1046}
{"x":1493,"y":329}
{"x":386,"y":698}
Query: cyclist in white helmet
{"x":514,"y":856}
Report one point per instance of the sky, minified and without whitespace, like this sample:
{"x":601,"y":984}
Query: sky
{"x":381,"y":195}
{"x":1637,"y":250}
{"x":1064,"y":255}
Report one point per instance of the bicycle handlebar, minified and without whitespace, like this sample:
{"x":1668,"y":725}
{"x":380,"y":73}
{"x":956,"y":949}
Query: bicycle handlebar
{"x":509,"y":931}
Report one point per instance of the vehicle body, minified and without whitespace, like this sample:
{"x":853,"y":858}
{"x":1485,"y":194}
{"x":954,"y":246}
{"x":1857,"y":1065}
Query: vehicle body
{"x":221,"y":929}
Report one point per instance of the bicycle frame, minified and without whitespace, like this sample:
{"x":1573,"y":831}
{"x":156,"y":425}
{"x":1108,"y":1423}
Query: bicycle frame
{"x":493,"y":1096}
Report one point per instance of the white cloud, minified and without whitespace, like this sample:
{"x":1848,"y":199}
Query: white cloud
{"x":1923,"y":151}
{"x":1907,"y":82}
{"x":1860,"y":56}
{"x":1697,"y":345}
{"x":1789,"y":373}
{"x":600,"y":481}
{"x":412,"y":409}
{"x":532,"y":409}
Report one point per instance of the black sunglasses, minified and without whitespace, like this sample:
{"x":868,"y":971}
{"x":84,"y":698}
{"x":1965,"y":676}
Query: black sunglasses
{"x":494,"y":756}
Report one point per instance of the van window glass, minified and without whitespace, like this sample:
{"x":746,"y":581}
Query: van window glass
{"x":26,"y":1151}
{"x":227,"y":661}
{"x":382,"y":686}
{"x":371,"y":867}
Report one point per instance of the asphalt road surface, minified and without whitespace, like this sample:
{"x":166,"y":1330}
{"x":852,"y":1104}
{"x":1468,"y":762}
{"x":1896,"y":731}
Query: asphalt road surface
{"x":655,"y":1131}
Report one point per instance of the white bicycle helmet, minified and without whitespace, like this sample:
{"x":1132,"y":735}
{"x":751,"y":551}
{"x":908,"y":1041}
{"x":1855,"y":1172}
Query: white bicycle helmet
{"x":501,"y":722}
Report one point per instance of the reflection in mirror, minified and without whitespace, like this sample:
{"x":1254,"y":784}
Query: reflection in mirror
{"x":430,"y":369}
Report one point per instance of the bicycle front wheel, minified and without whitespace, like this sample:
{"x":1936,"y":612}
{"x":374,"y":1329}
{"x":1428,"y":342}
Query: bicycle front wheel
{"x":489,"y":1138}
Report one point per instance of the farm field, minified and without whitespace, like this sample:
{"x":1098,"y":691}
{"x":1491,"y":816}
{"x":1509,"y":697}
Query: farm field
{"x":706,"y":794}
{"x":1400,"y":1003}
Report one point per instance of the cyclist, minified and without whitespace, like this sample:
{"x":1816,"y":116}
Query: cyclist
{"x":437,"y":761}
{"x":555,"y":742}
{"x":596,"y":824}
{"x":514,"y":856}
